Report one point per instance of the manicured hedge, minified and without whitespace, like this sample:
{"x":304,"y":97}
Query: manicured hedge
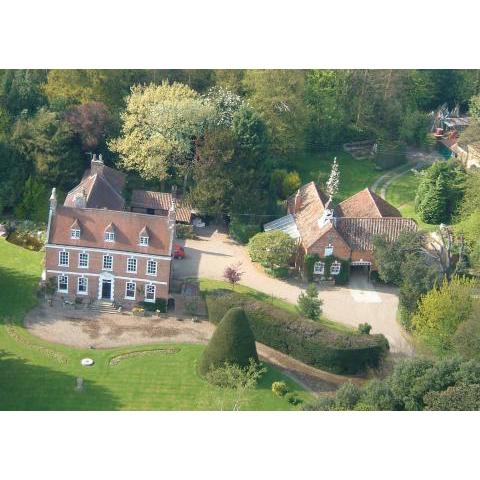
{"x":305,"y":340}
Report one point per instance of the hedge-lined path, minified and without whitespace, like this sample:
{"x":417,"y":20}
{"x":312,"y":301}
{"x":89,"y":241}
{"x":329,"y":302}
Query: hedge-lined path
{"x":81,"y":329}
{"x":355,"y":303}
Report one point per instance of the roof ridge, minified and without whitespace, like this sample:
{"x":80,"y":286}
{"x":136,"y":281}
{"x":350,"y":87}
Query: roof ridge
{"x":146,"y":215}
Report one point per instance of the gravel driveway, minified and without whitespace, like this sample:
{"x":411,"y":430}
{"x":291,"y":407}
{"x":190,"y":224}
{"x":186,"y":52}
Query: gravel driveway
{"x":358,"y":302}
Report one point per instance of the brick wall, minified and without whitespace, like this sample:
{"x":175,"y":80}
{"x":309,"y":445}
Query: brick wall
{"x":95,"y":269}
{"x":340,"y":248}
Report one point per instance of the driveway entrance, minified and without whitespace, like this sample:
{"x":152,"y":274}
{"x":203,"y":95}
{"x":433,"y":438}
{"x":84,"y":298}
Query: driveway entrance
{"x":358,"y":302}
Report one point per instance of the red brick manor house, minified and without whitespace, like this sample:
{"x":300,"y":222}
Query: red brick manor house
{"x":99,"y":251}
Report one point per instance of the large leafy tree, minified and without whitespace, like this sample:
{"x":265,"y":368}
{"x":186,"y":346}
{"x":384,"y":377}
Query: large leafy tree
{"x":21,"y":90}
{"x":441,"y":311}
{"x":278,"y":95}
{"x":90,"y":121}
{"x":51,"y":146}
{"x":390,"y":256}
{"x":272,"y":249}
{"x":160,"y":126}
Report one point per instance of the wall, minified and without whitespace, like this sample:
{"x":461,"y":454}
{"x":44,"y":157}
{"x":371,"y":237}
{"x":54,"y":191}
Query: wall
{"x":119,"y":270}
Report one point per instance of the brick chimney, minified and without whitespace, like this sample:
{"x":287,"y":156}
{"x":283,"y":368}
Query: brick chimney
{"x":298,"y":202}
{"x":96,"y":165}
{"x":53,"y":200}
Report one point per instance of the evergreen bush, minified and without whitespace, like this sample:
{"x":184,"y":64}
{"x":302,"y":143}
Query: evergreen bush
{"x":232,"y":342}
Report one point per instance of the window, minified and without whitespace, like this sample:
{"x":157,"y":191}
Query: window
{"x":329,"y":250}
{"x":82,"y":287}
{"x":109,"y":236}
{"x":144,"y":241}
{"x":63,"y":283}
{"x":107,"y":262}
{"x":151,"y":267}
{"x":319,"y":268}
{"x":130,"y":290}
{"x":132,"y":265}
{"x":75,"y":233}
{"x":63,"y":259}
{"x":335,"y":268}
{"x":150,"y":293}
{"x":83,"y":260}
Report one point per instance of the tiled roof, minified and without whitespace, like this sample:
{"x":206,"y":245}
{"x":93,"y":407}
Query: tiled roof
{"x":161,"y":201}
{"x":102,"y":187}
{"x":309,"y":212}
{"x":359,"y":232}
{"x":128,"y":226}
{"x":366,"y":204}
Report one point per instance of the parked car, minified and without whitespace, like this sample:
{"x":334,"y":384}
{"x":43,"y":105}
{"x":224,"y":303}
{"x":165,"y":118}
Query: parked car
{"x":178,"y":251}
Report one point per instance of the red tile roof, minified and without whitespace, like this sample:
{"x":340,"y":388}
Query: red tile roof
{"x":161,"y":201}
{"x":359,"y":232}
{"x":128,"y":227}
{"x":366,"y":204}
{"x":357,"y":219}
{"x":102,"y":187}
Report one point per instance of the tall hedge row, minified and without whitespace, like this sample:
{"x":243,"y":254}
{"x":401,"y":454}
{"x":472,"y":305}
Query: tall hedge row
{"x":305,"y":340}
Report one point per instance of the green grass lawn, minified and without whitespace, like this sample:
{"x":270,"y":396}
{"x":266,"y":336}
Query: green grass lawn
{"x":207,"y":284}
{"x":355,"y":175}
{"x":401,"y":194}
{"x":37,"y":375}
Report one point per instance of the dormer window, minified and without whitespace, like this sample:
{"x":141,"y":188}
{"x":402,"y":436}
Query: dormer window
{"x":75,"y":230}
{"x":144,"y":237}
{"x":110,"y":233}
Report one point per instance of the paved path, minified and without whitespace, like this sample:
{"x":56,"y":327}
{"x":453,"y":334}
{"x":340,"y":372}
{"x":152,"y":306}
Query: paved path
{"x":358,"y":302}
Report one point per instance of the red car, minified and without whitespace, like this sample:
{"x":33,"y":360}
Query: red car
{"x":178,"y":251}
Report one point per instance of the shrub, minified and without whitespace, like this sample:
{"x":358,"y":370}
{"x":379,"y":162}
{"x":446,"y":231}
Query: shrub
{"x":364,"y":328}
{"x":303,"y":339}
{"x":279,"y":272}
{"x":232,"y":342}
{"x":159,"y":304}
{"x":230,"y":375}
{"x":279,"y":388}
{"x":293,"y":399}
{"x":185,"y":231}
{"x":242,"y":232}
{"x":309,"y":304}
{"x":285,"y":183}
{"x":272,"y":249}
{"x":325,"y":403}
{"x":459,"y":397}
{"x":347,"y":396}
{"x":377,"y":395}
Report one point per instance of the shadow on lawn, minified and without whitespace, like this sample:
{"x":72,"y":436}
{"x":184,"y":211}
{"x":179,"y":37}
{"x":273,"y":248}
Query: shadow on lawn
{"x":17,"y":291}
{"x":24,"y":386}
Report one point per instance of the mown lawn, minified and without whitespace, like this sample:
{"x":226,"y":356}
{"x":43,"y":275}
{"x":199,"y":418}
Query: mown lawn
{"x":401,"y":194}
{"x":355,"y":175}
{"x":37,"y":375}
{"x":207,"y":285}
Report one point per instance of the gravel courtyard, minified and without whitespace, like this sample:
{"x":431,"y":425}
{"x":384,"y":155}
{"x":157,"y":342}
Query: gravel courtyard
{"x":355,"y":303}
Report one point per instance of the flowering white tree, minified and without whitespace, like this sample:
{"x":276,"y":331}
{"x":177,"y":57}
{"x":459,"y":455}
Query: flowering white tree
{"x":333,"y":181}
